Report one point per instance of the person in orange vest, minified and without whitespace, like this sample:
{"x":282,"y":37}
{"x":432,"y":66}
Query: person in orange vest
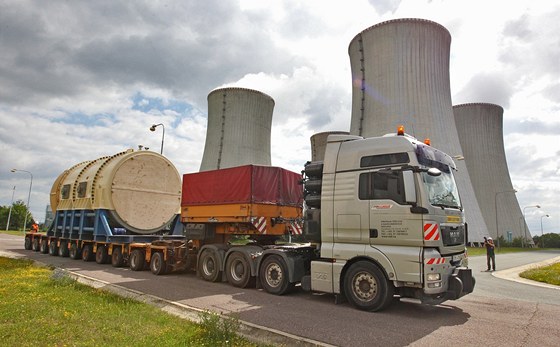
{"x":34,"y":227}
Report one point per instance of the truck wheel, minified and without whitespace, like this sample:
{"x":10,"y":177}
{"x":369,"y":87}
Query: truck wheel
{"x":366,"y":287}
{"x":44,"y":246}
{"x":238,"y":270}
{"x":63,"y":249}
{"x":274,"y":275}
{"x":53,"y":249}
{"x":208,"y":266}
{"x":27,"y":244}
{"x":158,"y":265}
{"x":75,"y":251}
{"x":36,"y":245}
{"x":117,"y":259}
{"x":87,"y":253}
{"x":101,"y":256}
{"x":137,"y":260}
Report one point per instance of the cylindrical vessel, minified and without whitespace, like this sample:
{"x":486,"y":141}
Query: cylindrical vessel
{"x":238,"y":133}
{"x":319,"y":143}
{"x":480,"y":128}
{"x":141,"y":190}
{"x":400,"y":72}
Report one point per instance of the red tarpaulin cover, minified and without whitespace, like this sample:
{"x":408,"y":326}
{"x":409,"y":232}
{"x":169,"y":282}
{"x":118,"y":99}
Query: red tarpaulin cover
{"x":242,"y":184}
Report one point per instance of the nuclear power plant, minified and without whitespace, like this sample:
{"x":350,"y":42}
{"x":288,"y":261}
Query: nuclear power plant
{"x":480,"y":128}
{"x":319,"y":143}
{"x":400,"y":73}
{"x":238,"y":133}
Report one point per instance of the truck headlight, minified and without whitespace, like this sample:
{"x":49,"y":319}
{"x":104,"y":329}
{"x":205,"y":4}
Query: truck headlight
{"x":433,"y":277}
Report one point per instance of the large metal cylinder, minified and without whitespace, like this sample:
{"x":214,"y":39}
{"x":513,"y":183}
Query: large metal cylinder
{"x":141,"y":190}
{"x":480,"y":128}
{"x":319,"y":144}
{"x":400,"y":72}
{"x":238,"y":133}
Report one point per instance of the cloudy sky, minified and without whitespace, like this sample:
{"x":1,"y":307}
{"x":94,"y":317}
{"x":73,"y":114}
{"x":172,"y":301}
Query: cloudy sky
{"x":84,"y":79}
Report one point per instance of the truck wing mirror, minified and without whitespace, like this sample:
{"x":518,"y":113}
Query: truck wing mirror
{"x":409,"y":187}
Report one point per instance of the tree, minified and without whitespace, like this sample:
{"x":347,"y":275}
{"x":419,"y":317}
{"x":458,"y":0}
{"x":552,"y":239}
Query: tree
{"x":17,"y":217}
{"x":550,"y":240}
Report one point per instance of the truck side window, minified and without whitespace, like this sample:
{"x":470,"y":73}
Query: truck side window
{"x":381,"y":186}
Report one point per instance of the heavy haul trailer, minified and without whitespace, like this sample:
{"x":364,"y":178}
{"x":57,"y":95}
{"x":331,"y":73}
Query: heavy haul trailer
{"x":123,"y":208}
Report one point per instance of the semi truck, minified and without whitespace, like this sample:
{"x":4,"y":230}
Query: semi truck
{"x":379,"y":218}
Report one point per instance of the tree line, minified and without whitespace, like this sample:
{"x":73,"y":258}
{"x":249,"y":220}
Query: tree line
{"x":17,"y":216}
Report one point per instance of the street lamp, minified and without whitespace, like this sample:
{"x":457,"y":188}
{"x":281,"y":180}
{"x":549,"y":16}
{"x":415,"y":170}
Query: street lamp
{"x":11,"y":205}
{"x":496,"y":210}
{"x":542,"y":238}
{"x":525,"y":226}
{"x":153,"y":128}
{"x":28,"y":196}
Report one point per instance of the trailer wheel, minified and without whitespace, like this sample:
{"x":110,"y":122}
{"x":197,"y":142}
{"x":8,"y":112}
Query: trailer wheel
{"x":27,"y":243}
{"x":117,"y":259}
{"x":36,"y":245}
{"x":366,"y":287}
{"x":53,"y":249}
{"x":44,"y":246}
{"x":75,"y":251}
{"x":208,"y":266}
{"x":238,"y":270}
{"x":63,"y":249}
{"x":87,"y":253}
{"x":274,"y":275}
{"x":137,"y":260}
{"x":158,"y":265}
{"x":101,"y":256}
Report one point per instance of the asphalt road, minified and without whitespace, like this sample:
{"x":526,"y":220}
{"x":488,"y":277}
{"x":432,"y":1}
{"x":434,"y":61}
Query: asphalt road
{"x":499,"y":312}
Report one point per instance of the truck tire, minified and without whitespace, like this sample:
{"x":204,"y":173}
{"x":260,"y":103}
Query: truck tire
{"x":208,"y":266}
{"x":274,"y":275}
{"x":158,"y":265}
{"x":137,"y":260}
{"x":101,"y":256}
{"x":367,"y":288}
{"x":117,"y":259}
{"x":238,"y":270}
{"x":36,"y":245}
{"x":87,"y":253}
{"x":53,"y":249}
{"x":75,"y":251}
{"x":27,"y":243}
{"x":63,"y":249}
{"x":44,"y":246}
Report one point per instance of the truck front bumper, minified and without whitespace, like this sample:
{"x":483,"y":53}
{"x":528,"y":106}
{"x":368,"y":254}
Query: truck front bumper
{"x":461,"y":282}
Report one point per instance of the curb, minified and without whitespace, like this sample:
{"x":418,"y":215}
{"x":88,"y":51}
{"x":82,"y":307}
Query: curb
{"x":513,"y":274}
{"x":251,"y":331}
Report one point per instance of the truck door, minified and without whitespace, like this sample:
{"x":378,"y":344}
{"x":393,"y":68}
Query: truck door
{"x":394,"y":230}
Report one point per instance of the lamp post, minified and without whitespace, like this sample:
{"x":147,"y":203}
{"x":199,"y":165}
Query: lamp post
{"x":542,"y":238}
{"x":525,"y":226}
{"x":496,"y":209}
{"x":11,"y":205}
{"x":28,"y":196}
{"x":153,"y":128}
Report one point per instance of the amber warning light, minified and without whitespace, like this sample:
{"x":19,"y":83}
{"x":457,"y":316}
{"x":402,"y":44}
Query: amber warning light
{"x":400,"y":130}
{"x":427,"y":142}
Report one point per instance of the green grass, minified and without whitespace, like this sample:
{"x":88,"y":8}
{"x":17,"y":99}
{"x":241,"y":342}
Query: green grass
{"x":13,"y":232}
{"x":39,"y":306}
{"x":548,"y":274}
{"x":474,"y":251}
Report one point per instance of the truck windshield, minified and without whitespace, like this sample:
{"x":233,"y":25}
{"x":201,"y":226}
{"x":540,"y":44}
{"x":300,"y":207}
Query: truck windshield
{"x":442,"y":190}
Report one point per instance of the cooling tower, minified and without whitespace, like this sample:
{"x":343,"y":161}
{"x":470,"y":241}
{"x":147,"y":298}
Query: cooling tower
{"x":319,"y":143}
{"x":481,"y":136}
{"x":400,"y":72}
{"x":238,"y":133}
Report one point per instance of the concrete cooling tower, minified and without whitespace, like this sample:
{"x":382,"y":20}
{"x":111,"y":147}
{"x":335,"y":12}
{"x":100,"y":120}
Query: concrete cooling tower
{"x":238,"y":133}
{"x":319,"y":143}
{"x":400,"y":72}
{"x":481,"y":135}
